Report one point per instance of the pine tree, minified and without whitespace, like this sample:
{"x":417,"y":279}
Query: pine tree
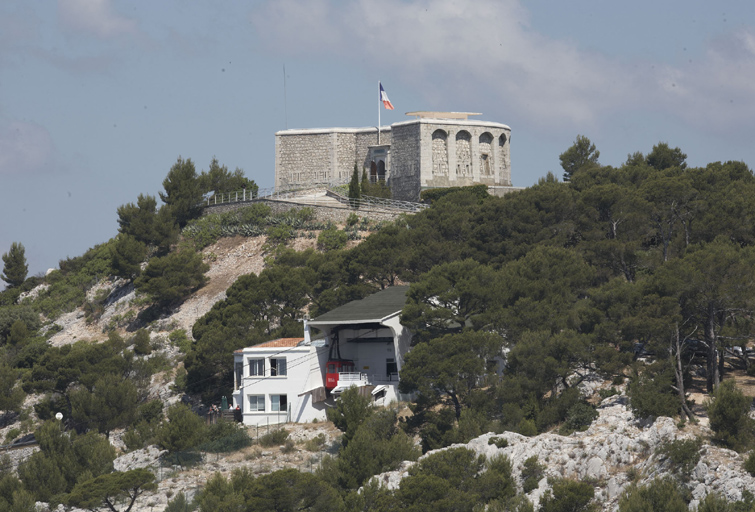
{"x":15,"y":269}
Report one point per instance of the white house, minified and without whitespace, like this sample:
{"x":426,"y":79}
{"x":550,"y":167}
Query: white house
{"x":361,"y":344}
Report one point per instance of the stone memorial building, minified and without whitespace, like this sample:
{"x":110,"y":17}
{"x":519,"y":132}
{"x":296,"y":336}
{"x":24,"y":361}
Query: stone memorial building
{"x":435,"y":149}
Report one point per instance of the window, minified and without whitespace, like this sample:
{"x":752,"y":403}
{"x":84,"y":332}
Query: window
{"x":257,"y":403}
{"x":278,"y":367}
{"x":278,"y":403}
{"x":391,"y":368}
{"x":239,"y":370}
{"x":256,"y":367}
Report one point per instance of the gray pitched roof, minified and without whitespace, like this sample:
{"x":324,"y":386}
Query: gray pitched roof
{"x":372,"y":308}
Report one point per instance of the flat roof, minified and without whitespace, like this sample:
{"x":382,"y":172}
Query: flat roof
{"x":422,"y":114}
{"x":279,"y":343}
{"x":372,"y":308}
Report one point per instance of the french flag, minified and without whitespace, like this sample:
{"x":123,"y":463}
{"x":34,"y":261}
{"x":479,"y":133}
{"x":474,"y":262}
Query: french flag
{"x":384,"y":98}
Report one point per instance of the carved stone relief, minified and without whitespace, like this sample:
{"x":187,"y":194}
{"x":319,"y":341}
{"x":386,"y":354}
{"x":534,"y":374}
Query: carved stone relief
{"x":486,"y":154}
{"x":440,"y":153}
{"x":463,"y":153}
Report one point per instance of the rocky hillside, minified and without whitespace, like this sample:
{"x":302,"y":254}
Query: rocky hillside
{"x":615,"y":451}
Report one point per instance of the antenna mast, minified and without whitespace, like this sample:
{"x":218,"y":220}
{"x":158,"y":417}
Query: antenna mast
{"x":285,"y":99}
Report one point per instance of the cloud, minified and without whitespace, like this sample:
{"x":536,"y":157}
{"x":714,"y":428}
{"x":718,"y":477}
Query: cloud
{"x":97,"y":17}
{"x":25,"y":148}
{"x":486,"y":53}
{"x":716,"y":91}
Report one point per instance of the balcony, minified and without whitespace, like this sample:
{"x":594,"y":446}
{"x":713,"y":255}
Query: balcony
{"x":359,"y":379}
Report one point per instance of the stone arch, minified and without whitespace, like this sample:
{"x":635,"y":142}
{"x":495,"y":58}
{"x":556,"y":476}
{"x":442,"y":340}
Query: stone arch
{"x":373,"y":172}
{"x":440,"y":153}
{"x":487,"y":165}
{"x":463,"y":153}
{"x":381,"y":170}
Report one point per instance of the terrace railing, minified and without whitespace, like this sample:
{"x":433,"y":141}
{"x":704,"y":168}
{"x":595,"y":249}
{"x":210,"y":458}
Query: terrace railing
{"x":322,"y":196}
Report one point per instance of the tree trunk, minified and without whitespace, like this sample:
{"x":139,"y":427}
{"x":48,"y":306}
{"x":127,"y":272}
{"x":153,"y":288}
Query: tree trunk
{"x":457,"y":405}
{"x":676,"y":353}
{"x":713,"y":376}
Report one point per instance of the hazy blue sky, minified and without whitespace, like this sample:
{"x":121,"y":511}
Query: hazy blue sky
{"x":98,"y":98}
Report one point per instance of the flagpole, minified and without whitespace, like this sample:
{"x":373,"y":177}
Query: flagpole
{"x":379,"y":98}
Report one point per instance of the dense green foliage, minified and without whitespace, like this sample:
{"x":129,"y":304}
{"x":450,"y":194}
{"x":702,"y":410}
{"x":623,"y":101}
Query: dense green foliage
{"x":63,"y":460}
{"x":431,"y":195}
{"x":111,"y":489}
{"x":532,"y":473}
{"x":183,"y":192}
{"x":372,"y":442}
{"x":127,"y":255}
{"x":15,"y":267}
{"x":568,"y":496}
{"x":146,"y":224}
{"x":219,"y":179}
{"x":728,"y":412}
{"x":684,"y":454}
{"x":582,"y":154}
{"x":169,"y":279}
{"x":287,"y":490}
{"x":661,"y":495}
{"x":331,"y":239}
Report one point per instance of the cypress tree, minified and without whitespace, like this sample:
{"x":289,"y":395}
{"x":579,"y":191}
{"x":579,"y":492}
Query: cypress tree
{"x":354,"y":191}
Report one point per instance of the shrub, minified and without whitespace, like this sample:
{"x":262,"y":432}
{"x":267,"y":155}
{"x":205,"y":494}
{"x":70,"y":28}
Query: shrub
{"x":171,"y":278}
{"x":651,"y":393}
{"x":580,"y":416}
{"x":332,"y":239}
{"x":254,"y":214}
{"x":749,"y":464}
{"x":288,"y":446}
{"x":141,"y":342}
{"x":500,"y":442}
{"x":182,"y":430}
{"x":225,"y":436}
{"x":352,"y":219}
{"x":275,"y":438}
{"x":532,"y":473}
{"x":11,"y":435}
{"x":684,"y":454}
{"x":351,"y":410}
{"x":527,"y":428}
{"x":729,"y":419}
{"x":279,"y":234}
{"x":179,"y":339}
{"x":567,"y":496}
{"x":661,"y":494}
{"x":315,"y":444}
{"x":179,"y":504}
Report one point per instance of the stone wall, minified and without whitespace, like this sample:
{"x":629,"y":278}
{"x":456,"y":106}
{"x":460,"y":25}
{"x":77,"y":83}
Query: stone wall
{"x":475,"y":153}
{"x":327,"y":156}
{"x":423,"y":153}
{"x":405,"y":162}
{"x":304,"y":159}
{"x":322,"y":213}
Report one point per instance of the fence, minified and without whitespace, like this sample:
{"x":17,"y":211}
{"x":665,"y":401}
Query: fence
{"x":323,"y":196}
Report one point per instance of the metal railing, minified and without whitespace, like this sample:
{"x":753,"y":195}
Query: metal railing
{"x":379,"y":203}
{"x":321,"y":196}
{"x":366,"y":378}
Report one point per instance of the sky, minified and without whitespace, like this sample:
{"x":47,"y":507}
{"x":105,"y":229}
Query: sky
{"x":99,"y":98}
